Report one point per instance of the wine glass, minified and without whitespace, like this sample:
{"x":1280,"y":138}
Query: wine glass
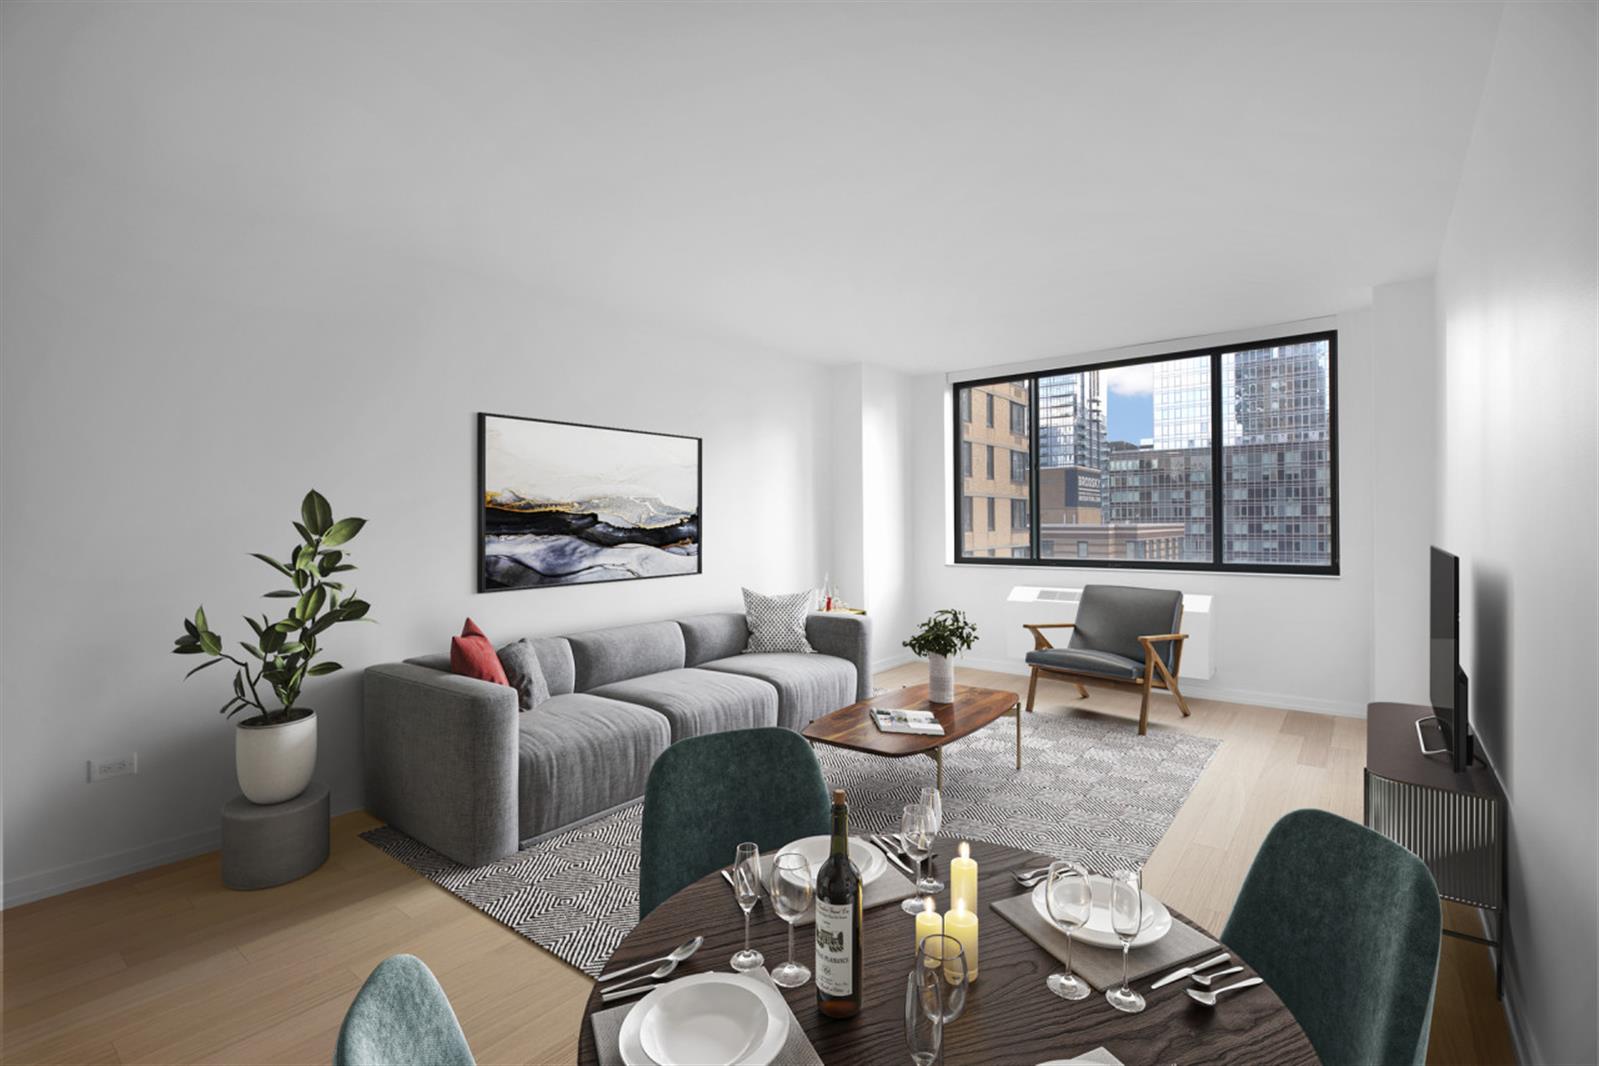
{"x":1069,"y":900}
{"x":747,"y":889}
{"x":792,"y":885}
{"x":916,"y":830}
{"x":924,"y":1015}
{"x":942,"y":955}
{"x":933,"y":800}
{"x":1126,"y":918}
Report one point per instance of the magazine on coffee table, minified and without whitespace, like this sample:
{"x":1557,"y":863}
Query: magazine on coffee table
{"x":897,"y":720}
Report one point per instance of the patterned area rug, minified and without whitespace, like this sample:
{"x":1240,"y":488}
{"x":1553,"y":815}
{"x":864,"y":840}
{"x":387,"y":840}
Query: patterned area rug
{"x":1090,"y":789}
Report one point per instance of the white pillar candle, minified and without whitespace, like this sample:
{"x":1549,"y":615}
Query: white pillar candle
{"x":963,"y":879}
{"x":961,"y":924}
{"x":928,"y":923}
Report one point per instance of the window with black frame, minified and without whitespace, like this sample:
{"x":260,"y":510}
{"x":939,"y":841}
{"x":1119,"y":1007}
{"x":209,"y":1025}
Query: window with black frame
{"x":1220,"y":458}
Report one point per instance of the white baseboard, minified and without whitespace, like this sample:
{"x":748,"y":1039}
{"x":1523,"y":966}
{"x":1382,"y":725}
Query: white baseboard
{"x":1208,"y":690}
{"x":888,"y":662}
{"x":53,"y":882}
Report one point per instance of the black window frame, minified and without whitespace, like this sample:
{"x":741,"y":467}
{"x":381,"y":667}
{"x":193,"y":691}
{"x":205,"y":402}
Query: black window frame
{"x":1219,"y":533}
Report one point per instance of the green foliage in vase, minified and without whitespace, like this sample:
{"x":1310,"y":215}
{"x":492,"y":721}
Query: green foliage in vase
{"x":946,"y":633}
{"x":282,"y":653}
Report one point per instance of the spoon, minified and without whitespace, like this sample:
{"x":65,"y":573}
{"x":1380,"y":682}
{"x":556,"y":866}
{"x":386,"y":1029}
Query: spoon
{"x":1206,"y":978}
{"x":1209,"y":998}
{"x":681,"y":952}
{"x":663,"y":970}
{"x":1031,"y":877}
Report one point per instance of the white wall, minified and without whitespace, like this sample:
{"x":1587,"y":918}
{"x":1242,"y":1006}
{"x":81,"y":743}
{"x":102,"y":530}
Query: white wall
{"x":1402,"y":485}
{"x":180,"y":368}
{"x":1280,"y":641}
{"x":1516,"y":292}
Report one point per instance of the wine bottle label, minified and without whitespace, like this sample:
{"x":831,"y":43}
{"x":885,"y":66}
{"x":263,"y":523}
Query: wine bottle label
{"x":835,"y":948}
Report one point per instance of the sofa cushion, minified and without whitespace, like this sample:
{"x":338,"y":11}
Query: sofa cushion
{"x":581,"y":754}
{"x":713,"y":636}
{"x":777,"y":623}
{"x":696,"y":702}
{"x":523,"y":671}
{"x":603,"y":656}
{"x":1112,"y":618}
{"x":808,"y":686}
{"x":555,"y":659}
{"x":1077,"y":660}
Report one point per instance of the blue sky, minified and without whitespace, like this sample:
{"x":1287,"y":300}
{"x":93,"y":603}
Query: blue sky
{"x":1129,"y":418}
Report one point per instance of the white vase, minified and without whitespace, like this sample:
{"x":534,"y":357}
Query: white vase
{"x":275,"y":762}
{"x":940,"y":679}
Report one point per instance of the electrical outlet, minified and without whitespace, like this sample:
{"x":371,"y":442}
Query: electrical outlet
{"x":116,"y":766}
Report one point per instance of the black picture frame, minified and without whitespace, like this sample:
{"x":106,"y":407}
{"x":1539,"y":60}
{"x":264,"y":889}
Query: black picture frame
{"x":485,"y":584}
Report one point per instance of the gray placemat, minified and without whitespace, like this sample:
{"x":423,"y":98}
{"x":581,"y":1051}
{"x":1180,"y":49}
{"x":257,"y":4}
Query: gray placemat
{"x":797,"y":1050}
{"x":1102,"y":967}
{"x":890,"y":886}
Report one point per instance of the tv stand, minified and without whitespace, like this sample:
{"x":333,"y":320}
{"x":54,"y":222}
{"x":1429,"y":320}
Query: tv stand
{"x":1454,"y":821}
{"x":1443,"y":741}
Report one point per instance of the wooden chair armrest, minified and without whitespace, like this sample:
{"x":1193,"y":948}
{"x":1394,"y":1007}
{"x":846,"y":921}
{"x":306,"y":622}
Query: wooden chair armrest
{"x":1161,"y":637}
{"x":1041,"y":642}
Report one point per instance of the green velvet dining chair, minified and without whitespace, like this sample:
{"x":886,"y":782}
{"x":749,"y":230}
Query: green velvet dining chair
{"x":1345,"y":927}
{"x":401,"y":1016}
{"x":708,"y":794}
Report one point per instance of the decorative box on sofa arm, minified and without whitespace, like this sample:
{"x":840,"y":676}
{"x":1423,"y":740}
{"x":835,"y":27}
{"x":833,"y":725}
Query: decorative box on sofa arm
{"x":451,"y":762}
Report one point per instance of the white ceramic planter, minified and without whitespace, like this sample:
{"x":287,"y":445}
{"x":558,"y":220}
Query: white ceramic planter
{"x":275,"y":762}
{"x":940,"y":679}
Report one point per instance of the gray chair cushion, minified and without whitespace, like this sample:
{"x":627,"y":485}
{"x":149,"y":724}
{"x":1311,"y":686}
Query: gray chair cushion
{"x":713,"y":636}
{"x":1103,"y":663}
{"x":606,"y":655}
{"x":1111,"y":618}
{"x":697,"y":702}
{"x":522,"y":670}
{"x":808,"y":686}
{"x":555,"y":661}
{"x":580,"y":754}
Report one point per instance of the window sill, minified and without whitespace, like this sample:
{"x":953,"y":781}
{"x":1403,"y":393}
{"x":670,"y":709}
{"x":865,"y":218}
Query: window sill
{"x":1071,"y":568}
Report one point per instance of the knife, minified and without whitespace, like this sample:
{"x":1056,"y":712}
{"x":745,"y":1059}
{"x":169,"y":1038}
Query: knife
{"x":888,"y":853}
{"x":1186,"y":971}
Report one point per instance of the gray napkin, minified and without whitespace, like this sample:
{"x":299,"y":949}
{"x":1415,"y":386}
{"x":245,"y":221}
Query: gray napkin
{"x":890,"y":886}
{"x":797,"y":1050}
{"x":1102,"y":967}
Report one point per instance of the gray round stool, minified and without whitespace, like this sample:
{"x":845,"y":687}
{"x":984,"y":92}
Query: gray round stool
{"x":268,"y":845}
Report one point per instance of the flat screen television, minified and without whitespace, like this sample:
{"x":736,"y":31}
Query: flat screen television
{"x":1446,"y":679}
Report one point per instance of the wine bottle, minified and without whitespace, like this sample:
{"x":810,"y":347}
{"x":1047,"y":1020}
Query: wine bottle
{"x":838,"y":924}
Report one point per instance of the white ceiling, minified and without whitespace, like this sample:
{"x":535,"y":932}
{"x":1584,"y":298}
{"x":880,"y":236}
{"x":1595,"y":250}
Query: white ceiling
{"x":928,"y":186}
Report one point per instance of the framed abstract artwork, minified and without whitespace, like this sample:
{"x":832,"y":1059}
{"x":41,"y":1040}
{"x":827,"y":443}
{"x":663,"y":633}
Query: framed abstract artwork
{"x":569,"y":504}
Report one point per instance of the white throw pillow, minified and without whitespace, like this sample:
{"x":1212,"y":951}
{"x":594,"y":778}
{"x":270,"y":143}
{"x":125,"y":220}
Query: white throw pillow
{"x":777,"y":623}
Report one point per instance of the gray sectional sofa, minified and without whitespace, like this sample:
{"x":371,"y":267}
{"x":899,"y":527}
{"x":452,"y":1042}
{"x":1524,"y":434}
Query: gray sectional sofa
{"x":453,"y":763}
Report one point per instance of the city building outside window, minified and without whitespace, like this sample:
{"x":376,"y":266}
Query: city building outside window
{"x":1147,"y":462}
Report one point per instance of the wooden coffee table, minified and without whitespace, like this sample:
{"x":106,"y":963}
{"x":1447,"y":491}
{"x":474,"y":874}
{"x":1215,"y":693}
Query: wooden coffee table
{"x":852,"y":727}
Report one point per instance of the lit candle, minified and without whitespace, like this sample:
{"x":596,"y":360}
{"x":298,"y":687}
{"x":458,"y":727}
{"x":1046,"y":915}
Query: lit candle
{"x":961,"y":925}
{"x":963,"y":879}
{"x":928,"y":923}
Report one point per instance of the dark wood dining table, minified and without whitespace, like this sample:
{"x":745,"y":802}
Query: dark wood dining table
{"x":1010,"y":1016}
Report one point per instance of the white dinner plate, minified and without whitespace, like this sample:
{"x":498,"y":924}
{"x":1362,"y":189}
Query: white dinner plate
{"x":868,"y":860}
{"x":710,"y":1019}
{"x":1098,"y":931}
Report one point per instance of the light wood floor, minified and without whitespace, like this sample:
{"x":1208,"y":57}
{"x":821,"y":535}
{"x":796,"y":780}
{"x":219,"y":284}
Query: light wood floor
{"x":168,"y":966}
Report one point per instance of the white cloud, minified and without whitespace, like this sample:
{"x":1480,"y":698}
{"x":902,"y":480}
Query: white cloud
{"x":1130,"y":380}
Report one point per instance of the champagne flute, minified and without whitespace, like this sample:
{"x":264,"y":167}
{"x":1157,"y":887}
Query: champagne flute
{"x":1126,"y":918}
{"x":792,"y":886}
{"x":747,"y":889}
{"x":933,"y":800}
{"x":924,"y":1015}
{"x":1069,"y":900}
{"x":942,"y":955}
{"x":916,"y":834}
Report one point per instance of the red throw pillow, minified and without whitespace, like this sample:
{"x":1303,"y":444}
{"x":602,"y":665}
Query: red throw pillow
{"x":471,"y":655}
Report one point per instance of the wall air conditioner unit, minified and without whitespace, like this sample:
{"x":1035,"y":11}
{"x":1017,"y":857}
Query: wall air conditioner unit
{"x":1032,"y":604}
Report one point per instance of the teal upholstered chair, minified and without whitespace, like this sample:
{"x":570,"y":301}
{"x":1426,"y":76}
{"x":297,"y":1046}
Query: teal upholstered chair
{"x":708,"y":794}
{"x":401,"y":1015}
{"x":1345,"y":926}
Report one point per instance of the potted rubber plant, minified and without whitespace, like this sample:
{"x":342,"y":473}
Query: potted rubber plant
{"x":275,"y":744}
{"x":940,"y":638}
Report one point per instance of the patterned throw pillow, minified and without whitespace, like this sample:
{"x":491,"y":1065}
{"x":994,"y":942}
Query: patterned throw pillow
{"x":523,"y":671}
{"x":777,"y":623}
